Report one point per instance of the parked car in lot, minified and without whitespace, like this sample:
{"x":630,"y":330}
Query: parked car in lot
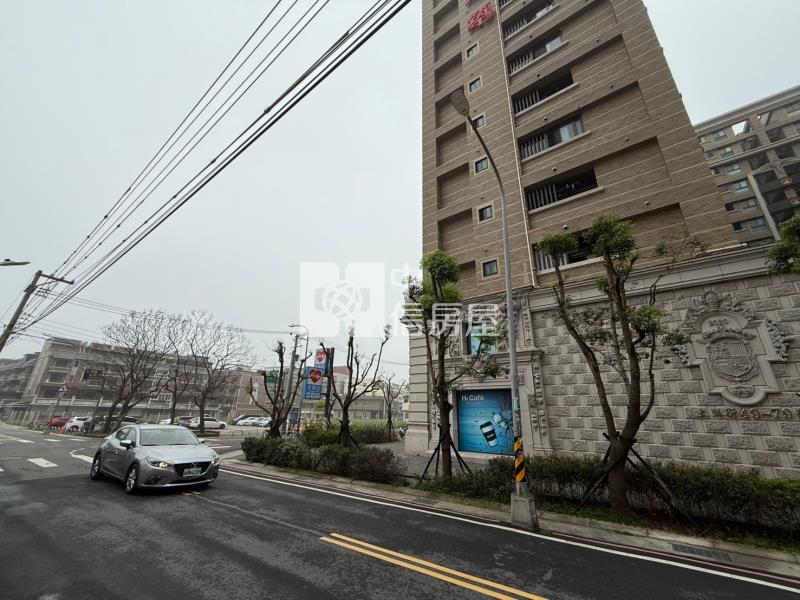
{"x":57,"y":422}
{"x":144,"y":456}
{"x":247,"y":422}
{"x":210,"y":423}
{"x":262,"y":421}
{"x":76,"y":424}
{"x":238,"y":420}
{"x":178,"y":421}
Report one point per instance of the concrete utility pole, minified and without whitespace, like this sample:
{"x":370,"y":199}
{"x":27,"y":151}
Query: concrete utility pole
{"x":523,"y":508}
{"x":9,"y":329}
{"x":288,"y":391}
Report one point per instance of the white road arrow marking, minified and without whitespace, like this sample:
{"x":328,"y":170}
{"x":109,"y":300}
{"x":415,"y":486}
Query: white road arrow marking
{"x":42,"y":462}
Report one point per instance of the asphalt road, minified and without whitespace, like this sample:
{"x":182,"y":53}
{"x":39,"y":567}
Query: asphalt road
{"x":63,"y":537}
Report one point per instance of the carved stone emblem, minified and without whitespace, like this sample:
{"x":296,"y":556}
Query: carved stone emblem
{"x":730,"y":353}
{"x":734,"y":349}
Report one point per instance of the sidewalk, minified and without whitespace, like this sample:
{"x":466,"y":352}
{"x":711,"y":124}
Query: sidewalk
{"x":667,"y":545}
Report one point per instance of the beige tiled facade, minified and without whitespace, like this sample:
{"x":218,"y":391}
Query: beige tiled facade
{"x":634,"y":140}
{"x":577,"y":104}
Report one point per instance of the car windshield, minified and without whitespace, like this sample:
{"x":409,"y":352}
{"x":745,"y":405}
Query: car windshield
{"x":168,"y":437}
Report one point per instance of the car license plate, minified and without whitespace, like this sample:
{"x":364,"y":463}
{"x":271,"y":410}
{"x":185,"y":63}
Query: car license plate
{"x":191,"y":471}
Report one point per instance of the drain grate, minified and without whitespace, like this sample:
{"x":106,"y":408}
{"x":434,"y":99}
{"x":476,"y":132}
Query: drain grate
{"x":718,"y":555}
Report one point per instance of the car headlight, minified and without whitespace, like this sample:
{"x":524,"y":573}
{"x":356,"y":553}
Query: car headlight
{"x":215,"y":460}
{"x":157,"y":462}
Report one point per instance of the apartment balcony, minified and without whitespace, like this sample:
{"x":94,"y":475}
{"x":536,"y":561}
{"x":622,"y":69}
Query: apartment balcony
{"x":533,"y":14}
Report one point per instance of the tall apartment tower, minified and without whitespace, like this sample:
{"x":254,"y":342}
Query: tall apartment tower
{"x":578,"y":107}
{"x":754,"y":155}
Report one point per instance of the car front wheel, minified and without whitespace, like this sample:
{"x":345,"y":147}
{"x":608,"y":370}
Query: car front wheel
{"x":222,"y":425}
{"x":131,"y":479}
{"x":95,"y":473}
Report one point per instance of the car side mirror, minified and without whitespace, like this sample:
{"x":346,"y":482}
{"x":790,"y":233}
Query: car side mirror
{"x":127,"y":444}
{"x":203,"y":441}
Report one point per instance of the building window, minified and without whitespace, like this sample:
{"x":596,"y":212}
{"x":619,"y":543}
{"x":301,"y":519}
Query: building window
{"x":561,"y":189}
{"x":776,"y":135}
{"x":489,"y":268}
{"x":740,"y":186}
{"x":535,"y":95}
{"x":582,"y":253}
{"x":720,"y":135}
{"x":485,"y":213}
{"x":476,"y":333}
{"x":474,"y":85}
{"x":472,"y":50}
{"x":733,"y":168}
{"x":552,"y":137}
{"x":523,"y":59}
{"x":726,"y":151}
{"x":481,"y":165}
{"x":479,"y":121}
{"x":748,"y":204}
{"x":56,"y":377}
{"x":793,"y":107}
{"x":756,"y":224}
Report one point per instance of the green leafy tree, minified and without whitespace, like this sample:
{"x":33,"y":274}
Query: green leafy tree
{"x":784,"y":256}
{"x":438,"y":287}
{"x":627,"y":338}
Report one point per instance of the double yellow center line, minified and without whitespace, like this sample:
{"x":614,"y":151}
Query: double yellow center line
{"x":464,"y":580}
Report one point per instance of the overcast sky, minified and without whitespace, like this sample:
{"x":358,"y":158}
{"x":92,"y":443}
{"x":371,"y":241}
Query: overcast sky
{"x":92,"y":88}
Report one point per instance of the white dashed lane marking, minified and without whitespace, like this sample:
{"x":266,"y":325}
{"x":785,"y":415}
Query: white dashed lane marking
{"x":13,"y":439}
{"x":52,"y":440}
{"x":42,"y":462}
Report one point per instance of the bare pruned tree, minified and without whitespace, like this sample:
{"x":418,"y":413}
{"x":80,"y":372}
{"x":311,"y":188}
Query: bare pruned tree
{"x":363,"y":377}
{"x":281,"y":393}
{"x":178,"y":379}
{"x":214,"y":350}
{"x":137,"y":346}
{"x":391,"y":392}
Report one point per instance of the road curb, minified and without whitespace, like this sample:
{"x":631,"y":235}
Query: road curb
{"x":727,"y":554}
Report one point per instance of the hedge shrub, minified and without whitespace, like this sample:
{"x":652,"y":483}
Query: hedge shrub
{"x":710,"y":495}
{"x":314,"y":436}
{"x":368,"y":463}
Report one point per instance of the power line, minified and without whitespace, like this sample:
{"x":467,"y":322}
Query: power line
{"x":153,"y":162}
{"x":318,"y":78}
{"x":158,"y":152}
{"x":151,"y":187}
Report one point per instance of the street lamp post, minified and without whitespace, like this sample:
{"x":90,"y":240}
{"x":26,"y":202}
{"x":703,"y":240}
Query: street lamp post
{"x":523,"y":508}
{"x":13,"y":263}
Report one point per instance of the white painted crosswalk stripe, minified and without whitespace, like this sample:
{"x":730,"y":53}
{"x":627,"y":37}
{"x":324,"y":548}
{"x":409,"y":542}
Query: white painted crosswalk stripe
{"x":1,"y":469}
{"x":42,"y":462}
{"x":51,"y":440}
{"x":87,"y":459}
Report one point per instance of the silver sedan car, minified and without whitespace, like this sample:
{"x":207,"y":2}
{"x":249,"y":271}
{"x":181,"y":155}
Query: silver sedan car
{"x":145,"y":456}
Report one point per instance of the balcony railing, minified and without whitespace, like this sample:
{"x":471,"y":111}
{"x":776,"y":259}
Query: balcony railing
{"x":519,"y":62}
{"x":526,"y":19}
{"x":541,"y":92}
